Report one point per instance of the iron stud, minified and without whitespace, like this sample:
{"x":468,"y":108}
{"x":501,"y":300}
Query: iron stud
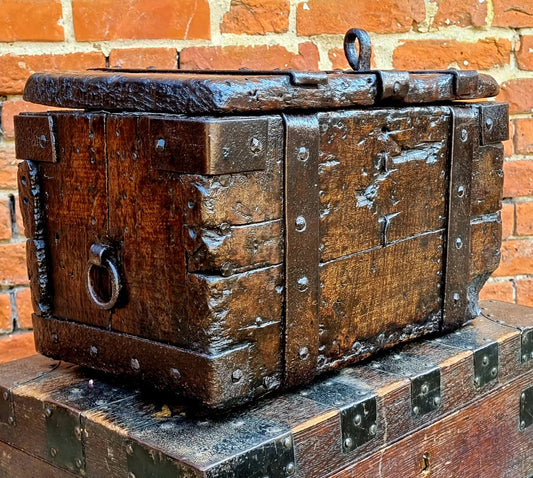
{"x":47,"y":412}
{"x":485,"y":361}
{"x":79,"y":463}
{"x":373,"y":430}
{"x":437,"y":401}
{"x":424,"y":389}
{"x":129,"y":449}
{"x":291,"y":468}
{"x":43,"y":141}
{"x":236,"y":375}
{"x":226,"y":269}
{"x":10,"y":420}
{"x":287,"y":443}
{"x":522,"y":425}
{"x":357,"y":420}
{"x":348,"y":443}
{"x":304,"y":353}
{"x":416,"y":411}
{"x":135,"y":364}
{"x":131,"y":475}
{"x":489,"y":124}
{"x":303,"y":153}
{"x":160,"y":145}
{"x":494,"y":372}
{"x":477,"y":381}
{"x":301,"y":224}
{"x":6,"y":395}
{"x":255,"y":146}
{"x":53,"y":452}
{"x":77,"y":432}
{"x":464,"y":135}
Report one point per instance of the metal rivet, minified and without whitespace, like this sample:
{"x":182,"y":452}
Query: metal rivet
{"x":396,"y":87}
{"x":226,"y":269}
{"x":358,"y":419}
{"x":477,"y":381}
{"x":348,"y":443}
{"x":43,"y":141}
{"x":303,"y":154}
{"x":291,"y":468}
{"x":522,"y":425}
{"x":489,"y":123}
{"x":524,"y":358}
{"x":424,"y":389}
{"x":79,"y":463}
{"x":129,"y":449}
{"x":225,"y":228}
{"x":460,"y":191}
{"x":523,"y":396}
{"x":301,"y":224}
{"x":175,"y":373}
{"x":458,"y":243}
{"x":77,"y":432}
{"x":135,"y":364}
{"x":304,"y":353}
{"x":287,"y":443}
{"x":55,"y":338}
{"x":373,"y":430}
{"x":236,"y":375}
{"x":485,"y":361}
{"x":53,"y":452}
{"x":131,"y":475}
{"x":436,"y":401}
{"x":456,"y":297}
{"x":255,"y":146}
{"x":94,"y":350}
{"x":494,"y":371}
{"x":531,"y":354}
{"x":6,"y":395}
{"x":416,"y":411}
{"x":10,"y":420}
{"x":303,"y":284}
{"x":47,"y":412}
{"x":225,"y":152}
{"x":464,"y":135}
{"x":160,"y":145}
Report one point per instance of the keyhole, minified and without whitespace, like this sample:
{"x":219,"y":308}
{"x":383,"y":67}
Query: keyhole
{"x":426,"y":464}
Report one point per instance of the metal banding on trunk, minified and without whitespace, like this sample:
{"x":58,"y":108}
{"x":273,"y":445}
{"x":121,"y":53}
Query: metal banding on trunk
{"x":464,"y":135}
{"x":301,"y":248}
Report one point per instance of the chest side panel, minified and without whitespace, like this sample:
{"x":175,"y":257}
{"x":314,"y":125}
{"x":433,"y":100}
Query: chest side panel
{"x":145,"y":220}
{"x":75,"y":206}
{"x":383,"y":208}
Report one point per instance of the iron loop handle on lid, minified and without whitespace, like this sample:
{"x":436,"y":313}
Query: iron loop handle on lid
{"x":101,"y":256}
{"x":361,"y":61}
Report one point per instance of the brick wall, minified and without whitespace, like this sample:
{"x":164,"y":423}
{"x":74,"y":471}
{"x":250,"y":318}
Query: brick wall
{"x":491,"y":35}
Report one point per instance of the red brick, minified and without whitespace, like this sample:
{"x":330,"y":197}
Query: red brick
{"x":13,"y":264}
{"x":517,"y":178}
{"x":5,"y":220}
{"x":16,"y":69}
{"x":24,"y":308}
{"x":158,"y":58}
{"x":12,"y":108}
{"x":442,"y":54}
{"x":508,"y":214}
{"x":339,"y":62}
{"x":524,"y":292}
{"x":513,"y":13}
{"x":96,"y":20}
{"x":31,"y":20}
{"x":256,"y":17}
{"x":19,"y":224}
{"x":497,"y":291}
{"x":524,"y":218}
{"x":16,"y":346}
{"x":517,"y":258}
{"x":8,"y":167}
{"x":462,"y":14}
{"x":524,"y":55}
{"x":518,"y":94}
{"x":6,"y":321}
{"x":315,"y":17}
{"x":254,"y":57}
{"x":523,"y":136}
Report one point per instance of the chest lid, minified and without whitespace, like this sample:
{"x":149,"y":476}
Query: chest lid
{"x":231,"y":92}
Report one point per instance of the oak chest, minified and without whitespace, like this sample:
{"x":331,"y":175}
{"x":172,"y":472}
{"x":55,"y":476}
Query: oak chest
{"x":225,"y":234}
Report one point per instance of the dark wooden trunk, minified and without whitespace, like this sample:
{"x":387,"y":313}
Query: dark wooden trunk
{"x":460,"y":405}
{"x":241,"y":232}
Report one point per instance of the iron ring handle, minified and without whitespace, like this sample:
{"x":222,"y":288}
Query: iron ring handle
{"x":101,"y":255}
{"x":358,"y":61}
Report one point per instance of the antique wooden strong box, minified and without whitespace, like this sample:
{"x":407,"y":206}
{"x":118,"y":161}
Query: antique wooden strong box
{"x":224,"y":234}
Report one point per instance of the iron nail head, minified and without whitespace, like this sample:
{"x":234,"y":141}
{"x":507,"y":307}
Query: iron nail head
{"x":53,"y":452}
{"x":6,"y":395}
{"x":424,"y":389}
{"x":522,"y":425}
{"x":437,"y":401}
{"x":10,"y":420}
{"x":287,"y":443}
{"x":348,"y":443}
{"x":494,"y":371}
{"x":79,"y":463}
{"x":129,"y":449}
{"x":416,"y":411}
{"x":485,"y":361}
{"x":373,"y":430}
{"x":358,"y":419}
{"x":47,"y":412}
{"x":477,"y":381}
{"x":236,"y":375}
{"x":291,"y":468}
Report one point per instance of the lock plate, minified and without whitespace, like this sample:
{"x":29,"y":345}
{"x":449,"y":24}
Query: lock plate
{"x":486,"y":364}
